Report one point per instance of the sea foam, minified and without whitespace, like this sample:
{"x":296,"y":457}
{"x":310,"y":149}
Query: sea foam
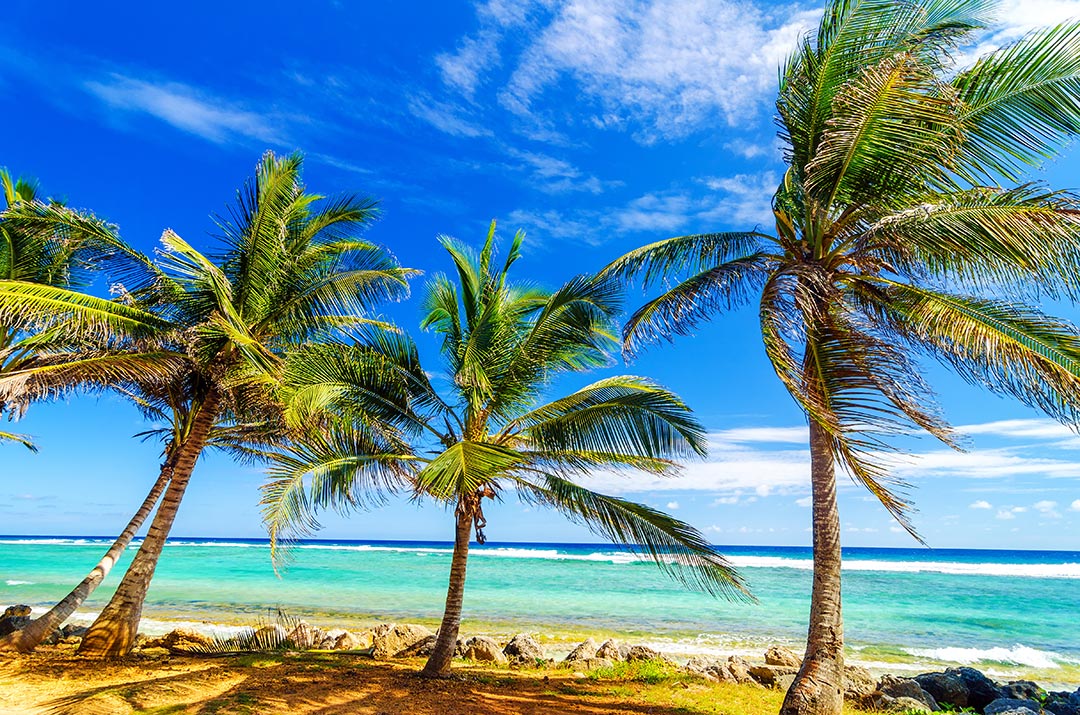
{"x":1016,"y":655}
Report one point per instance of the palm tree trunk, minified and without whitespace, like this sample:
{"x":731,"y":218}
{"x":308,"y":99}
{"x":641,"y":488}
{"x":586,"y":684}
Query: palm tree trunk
{"x":113,"y":632}
{"x":30,"y":636}
{"x":438,"y":665}
{"x":818,"y":687}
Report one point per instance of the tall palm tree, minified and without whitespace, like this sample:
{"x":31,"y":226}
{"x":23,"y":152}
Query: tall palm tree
{"x":900,"y":232}
{"x":200,"y":339}
{"x":502,"y":346}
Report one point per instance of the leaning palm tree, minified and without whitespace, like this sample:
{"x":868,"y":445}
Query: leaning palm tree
{"x":200,"y":339}
{"x":901,"y":231}
{"x":491,"y":431}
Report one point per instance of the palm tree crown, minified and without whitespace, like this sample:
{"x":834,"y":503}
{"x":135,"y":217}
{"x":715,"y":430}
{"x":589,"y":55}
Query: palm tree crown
{"x":492,"y":430}
{"x":900,"y":232}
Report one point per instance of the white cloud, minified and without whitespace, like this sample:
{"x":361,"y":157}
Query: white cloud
{"x":673,"y":505}
{"x":748,"y":150}
{"x":981,"y":504}
{"x":661,"y":67}
{"x":557,"y":176}
{"x":1020,"y":429}
{"x":791,"y":435}
{"x":446,"y":117}
{"x":1075,"y":506}
{"x":1047,"y":508}
{"x":1005,"y":515}
{"x":805,"y":502}
{"x":185,"y":108}
{"x":745,"y":199}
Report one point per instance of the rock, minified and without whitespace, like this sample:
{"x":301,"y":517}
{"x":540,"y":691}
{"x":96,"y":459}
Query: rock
{"x":896,"y":687}
{"x":389,"y":639}
{"x":72,"y":630}
{"x":53,"y":638}
{"x":769,"y":675}
{"x":181,"y":640}
{"x":904,"y":704}
{"x":981,"y":690}
{"x":484,"y":649}
{"x":525,"y":647}
{"x":583,"y":651}
{"x":945,"y":687}
{"x":1022,"y":690}
{"x":784,"y":682}
{"x":737,"y":670}
{"x":640,"y":652}
{"x":587,"y":664}
{"x":425,"y":647}
{"x":305,"y":636}
{"x":609,"y":649}
{"x":1012,"y":706}
{"x":859,"y":683}
{"x":353,"y":641}
{"x":1060,"y":703}
{"x":779,"y":655}
{"x":704,"y":667}
{"x":14,"y":618}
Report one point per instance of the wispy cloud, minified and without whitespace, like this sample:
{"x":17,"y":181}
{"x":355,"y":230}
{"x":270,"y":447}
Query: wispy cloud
{"x":980,"y":504}
{"x":553,"y":175}
{"x":186,"y":108}
{"x":446,"y":117}
{"x":1020,"y":429}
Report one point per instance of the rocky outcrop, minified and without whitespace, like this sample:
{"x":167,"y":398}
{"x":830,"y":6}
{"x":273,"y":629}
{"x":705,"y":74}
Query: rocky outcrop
{"x":981,"y":691}
{"x":14,"y":618}
{"x":785,"y":657}
{"x":641,"y":652}
{"x":610,"y":649}
{"x":484,"y":650}
{"x":524,"y":650}
{"x":391,"y":639}
{"x":181,"y":640}
{"x":584,"y":665}
{"x":859,"y":684}
{"x":896,"y":688}
{"x":1013,"y":706}
{"x":1062,"y":703}
{"x":773,"y":676}
{"x":583,"y":651}
{"x":1022,"y":690}
{"x":945,"y":688}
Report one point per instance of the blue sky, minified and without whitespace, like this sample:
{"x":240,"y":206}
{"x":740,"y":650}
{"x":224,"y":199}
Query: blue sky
{"x":594,"y":125}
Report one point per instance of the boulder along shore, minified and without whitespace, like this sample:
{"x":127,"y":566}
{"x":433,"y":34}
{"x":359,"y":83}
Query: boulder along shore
{"x":954,"y":689}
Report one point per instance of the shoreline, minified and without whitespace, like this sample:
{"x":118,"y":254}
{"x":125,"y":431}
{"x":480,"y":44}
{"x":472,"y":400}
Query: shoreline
{"x":558,"y":642}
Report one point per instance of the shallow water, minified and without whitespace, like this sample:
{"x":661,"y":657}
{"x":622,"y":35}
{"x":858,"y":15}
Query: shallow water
{"x":1010,"y":613}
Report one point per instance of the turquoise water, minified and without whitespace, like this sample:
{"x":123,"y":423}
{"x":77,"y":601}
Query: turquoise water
{"x":1007,"y":612}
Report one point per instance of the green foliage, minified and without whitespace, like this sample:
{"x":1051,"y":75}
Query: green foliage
{"x":494,"y":428}
{"x":900,"y":229}
{"x":639,"y":671}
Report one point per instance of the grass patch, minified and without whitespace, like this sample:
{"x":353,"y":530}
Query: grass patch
{"x":652,"y":672}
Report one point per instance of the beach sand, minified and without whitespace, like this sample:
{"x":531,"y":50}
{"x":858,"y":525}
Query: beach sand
{"x":55,"y":681}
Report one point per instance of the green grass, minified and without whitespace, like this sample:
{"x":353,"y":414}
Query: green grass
{"x":652,"y":672}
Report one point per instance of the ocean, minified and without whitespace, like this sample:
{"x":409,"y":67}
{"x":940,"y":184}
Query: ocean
{"x":1010,"y":613}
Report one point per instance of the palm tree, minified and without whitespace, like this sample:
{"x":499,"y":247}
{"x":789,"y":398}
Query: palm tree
{"x":502,"y":346}
{"x":200,"y":339}
{"x":900,"y":232}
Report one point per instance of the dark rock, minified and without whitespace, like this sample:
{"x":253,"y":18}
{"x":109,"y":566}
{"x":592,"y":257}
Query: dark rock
{"x":525,"y":647}
{"x":779,"y":655}
{"x":859,"y":683}
{"x":981,"y":690}
{"x":583,"y":651}
{"x":73,"y":630}
{"x":1061,"y":704}
{"x":1012,"y":706}
{"x":640,"y":652}
{"x":20,"y":611}
{"x":609,"y":649}
{"x":1022,"y":690}
{"x":906,"y":688}
{"x":770,"y":675}
{"x":945,"y":687}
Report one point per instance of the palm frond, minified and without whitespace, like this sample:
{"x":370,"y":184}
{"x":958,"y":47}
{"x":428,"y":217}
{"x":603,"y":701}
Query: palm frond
{"x":464,"y":467}
{"x":22,"y":439}
{"x":680,"y":550}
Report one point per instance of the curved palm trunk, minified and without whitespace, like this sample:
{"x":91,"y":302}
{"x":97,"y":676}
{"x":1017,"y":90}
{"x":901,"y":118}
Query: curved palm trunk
{"x":818,"y":688}
{"x":30,"y":636}
{"x":438,"y":665}
{"x":113,"y":632}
